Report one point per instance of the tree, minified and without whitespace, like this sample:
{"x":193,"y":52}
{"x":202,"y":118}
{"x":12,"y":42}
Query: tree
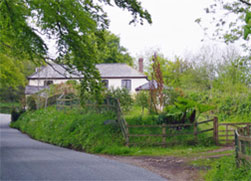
{"x":156,"y":89}
{"x":112,"y":51}
{"x":13,"y":78}
{"x":76,"y":26}
{"x":10,"y":73}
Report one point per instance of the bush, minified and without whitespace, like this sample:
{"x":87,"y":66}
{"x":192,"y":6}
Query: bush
{"x":123,"y":96}
{"x":31,"y":103}
{"x":73,"y":130}
{"x":142,"y":100}
{"x":16,"y":113}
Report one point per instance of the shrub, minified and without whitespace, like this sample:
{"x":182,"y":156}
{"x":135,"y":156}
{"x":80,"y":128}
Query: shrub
{"x":142,"y":100}
{"x":183,"y":111}
{"x":16,"y":113}
{"x":31,"y":103}
{"x":123,"y":96}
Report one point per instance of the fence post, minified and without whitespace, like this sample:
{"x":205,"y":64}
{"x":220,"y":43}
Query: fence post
{"x":236,"y":149}
{"x":227,"y":134}
{"x":164,"y":134}
{"x":195,"y":131}
{"x":248,"y":129}
{"x":216,"y":126}
{"x":127,"y":135}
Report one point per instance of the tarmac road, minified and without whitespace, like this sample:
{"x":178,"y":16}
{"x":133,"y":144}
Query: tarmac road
{"x":23,"y":158}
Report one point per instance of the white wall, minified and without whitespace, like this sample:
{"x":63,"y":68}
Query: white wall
{"x":116,"y":83}
{"x":135,"y":82}
{"x":40,"y":82}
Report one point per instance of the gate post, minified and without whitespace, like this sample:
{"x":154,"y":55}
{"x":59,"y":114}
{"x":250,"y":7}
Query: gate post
{"x":195,"y":131}
{"x":164,"y":134}
{"x":216,"y":126}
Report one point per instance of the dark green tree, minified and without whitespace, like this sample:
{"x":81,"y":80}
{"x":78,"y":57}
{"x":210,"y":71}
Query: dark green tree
{"x":112,"y":51}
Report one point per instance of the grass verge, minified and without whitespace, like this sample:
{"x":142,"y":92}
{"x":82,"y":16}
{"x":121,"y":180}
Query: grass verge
{"x":87,"y":132}
{"x":222,"y":169}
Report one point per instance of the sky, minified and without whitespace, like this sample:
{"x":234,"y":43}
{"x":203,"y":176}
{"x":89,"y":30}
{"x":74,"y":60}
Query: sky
{"x":174,"y":31}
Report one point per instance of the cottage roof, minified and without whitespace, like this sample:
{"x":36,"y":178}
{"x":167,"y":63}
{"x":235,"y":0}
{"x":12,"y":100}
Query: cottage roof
{"x":149,"y":85}
{"x":118,"y":70}
{"x":109,"y":70}
{"x":54,"y":71}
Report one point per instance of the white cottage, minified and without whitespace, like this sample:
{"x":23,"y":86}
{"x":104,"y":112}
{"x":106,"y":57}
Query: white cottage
{"x":117,"y":75}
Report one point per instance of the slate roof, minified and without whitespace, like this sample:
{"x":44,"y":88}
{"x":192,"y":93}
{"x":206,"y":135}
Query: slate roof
{"x":54,"y":72}
{"x":147,"y":86}
{"x":34,"y":89}
{"x":109,"y":70}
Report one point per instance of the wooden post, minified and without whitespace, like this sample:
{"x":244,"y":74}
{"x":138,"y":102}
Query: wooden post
{"x":216,"y":126}
{"x":227,"y":134}
{"x":248,"y":130}
{"x":164,"y":134}
{"x":195,"y":131}
{"x":236,"y":148}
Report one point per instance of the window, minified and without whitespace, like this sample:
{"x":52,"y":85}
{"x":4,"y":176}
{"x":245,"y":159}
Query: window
{"x":126,"y":84}
{"x":105,"y":83}
{"x":48,"y":82}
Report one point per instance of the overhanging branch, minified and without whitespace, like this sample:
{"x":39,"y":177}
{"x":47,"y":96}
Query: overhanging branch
{"x":245,"y":2}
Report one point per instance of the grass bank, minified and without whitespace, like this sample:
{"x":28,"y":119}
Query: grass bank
{"x":223,"y":169}
{"x":86,"y":131}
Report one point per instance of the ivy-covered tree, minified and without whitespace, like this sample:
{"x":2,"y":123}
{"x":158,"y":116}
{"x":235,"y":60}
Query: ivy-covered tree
{"x":76,"y":26}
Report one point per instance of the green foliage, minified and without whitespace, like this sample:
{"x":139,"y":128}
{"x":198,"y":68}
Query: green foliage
{"x":142,"y":100}
{"x":86,"y":131}
{"x":7,"y":107}
{"x":225,"y":169}
{"x":183,"y":111}
{"x":31,"y":103}
{"x":11,"y":74}
{"x":76,"y":25}
{"x":247,"y":28}
{"x":230,"y":106}
{"x":112,"y":51}
{"x":123,"y":96}
{"x":74,"y":129}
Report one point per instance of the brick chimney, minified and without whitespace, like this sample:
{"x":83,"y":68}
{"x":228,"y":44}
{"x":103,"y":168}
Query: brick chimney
{"x":141,"y":65}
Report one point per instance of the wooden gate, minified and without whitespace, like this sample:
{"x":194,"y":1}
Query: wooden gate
{"x":243,"y":145}
{"x":226,"y":132}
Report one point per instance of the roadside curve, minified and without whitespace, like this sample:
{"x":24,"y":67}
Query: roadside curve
{"x":23,"y":158}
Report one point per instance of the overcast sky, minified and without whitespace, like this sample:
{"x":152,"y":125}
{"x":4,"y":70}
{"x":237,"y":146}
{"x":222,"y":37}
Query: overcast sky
{"x":173,"y":32}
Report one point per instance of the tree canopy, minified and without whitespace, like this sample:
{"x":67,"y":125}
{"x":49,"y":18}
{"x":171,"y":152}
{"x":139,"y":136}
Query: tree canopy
{"x":112,"y":51}
{"x":76,"y":26}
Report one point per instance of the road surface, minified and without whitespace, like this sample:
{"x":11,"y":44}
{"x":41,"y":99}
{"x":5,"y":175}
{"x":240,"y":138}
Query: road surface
{"x":23,"y":158}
